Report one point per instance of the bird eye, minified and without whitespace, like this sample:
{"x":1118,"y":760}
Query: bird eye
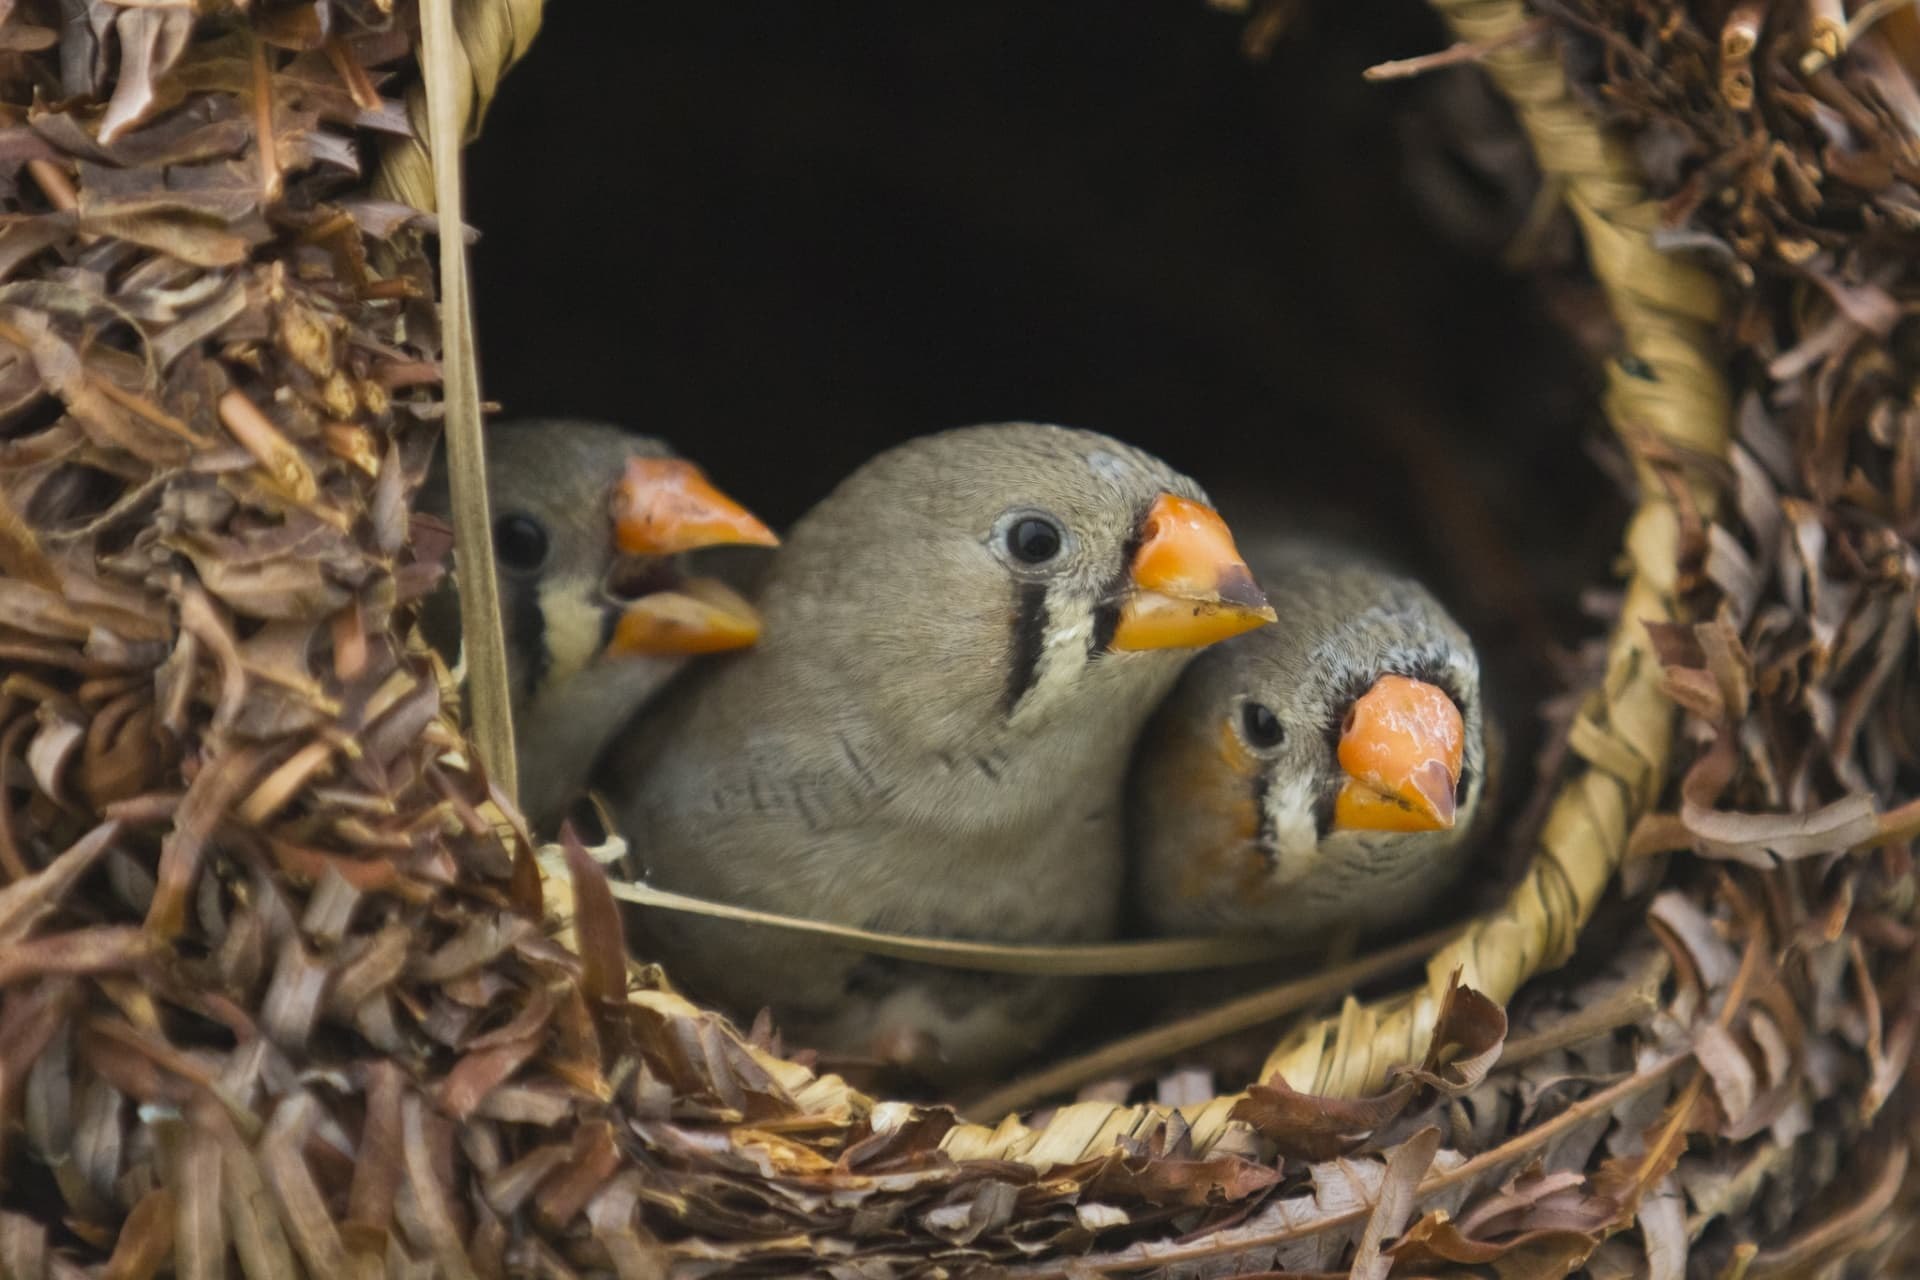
{"x":1263,"y":728}
{"x":1034,"y":540}
{"x":520,"y":542}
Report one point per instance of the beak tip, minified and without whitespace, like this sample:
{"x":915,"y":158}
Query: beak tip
{"x":1237,"y":587}
{"x":666,"y":505}
{"x":1434,"y":784}
{"x":1189,"y":586}
{"x":1402,"y":751}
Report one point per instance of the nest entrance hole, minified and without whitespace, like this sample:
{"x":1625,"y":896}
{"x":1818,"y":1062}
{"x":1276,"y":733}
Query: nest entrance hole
{"x":786,"y":237}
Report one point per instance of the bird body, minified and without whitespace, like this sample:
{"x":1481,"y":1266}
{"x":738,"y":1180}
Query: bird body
{"x":932,"y":737}
{"x":1321,"y":775}
{"x":590,"y":523}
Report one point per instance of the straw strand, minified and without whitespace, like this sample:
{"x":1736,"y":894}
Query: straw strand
{"x":1665,"y":384}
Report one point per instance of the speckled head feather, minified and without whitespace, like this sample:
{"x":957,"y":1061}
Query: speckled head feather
{"x":1232,"y":814}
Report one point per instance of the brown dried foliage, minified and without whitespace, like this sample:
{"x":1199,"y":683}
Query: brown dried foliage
{"x":275,"y":993}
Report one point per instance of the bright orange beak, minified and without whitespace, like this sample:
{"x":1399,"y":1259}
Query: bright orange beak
{"x":1401,"y":747}
{"x":697,"y":616}
{"x":665,"y":505}
{"x":1190,"y":587}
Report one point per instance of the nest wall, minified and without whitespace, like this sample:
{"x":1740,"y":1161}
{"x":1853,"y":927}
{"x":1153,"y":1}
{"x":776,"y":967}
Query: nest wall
{"x":284,"y":988}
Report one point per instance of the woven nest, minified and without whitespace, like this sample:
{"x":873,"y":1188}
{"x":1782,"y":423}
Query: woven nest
{"x":285,"y":989}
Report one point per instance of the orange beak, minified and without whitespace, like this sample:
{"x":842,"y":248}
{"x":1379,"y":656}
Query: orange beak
{"x":1190,"y":588}
{"x":1401,"y":747}
{"x":665,"y":505}
{"x":700,"y":615}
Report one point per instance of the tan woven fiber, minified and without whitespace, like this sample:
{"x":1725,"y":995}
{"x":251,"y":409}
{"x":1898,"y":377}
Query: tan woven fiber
{"x":492,"y":36}
{"x":1666,"y":385}
{"x":450,"y":107}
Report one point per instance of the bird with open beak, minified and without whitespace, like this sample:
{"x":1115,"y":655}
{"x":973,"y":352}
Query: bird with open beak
{"x":592,"y":527}
{"x":1320,"y":775}
{"x":961,"y":641}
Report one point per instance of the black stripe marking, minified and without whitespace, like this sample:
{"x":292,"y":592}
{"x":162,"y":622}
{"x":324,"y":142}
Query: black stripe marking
{"x":526,"y":627}
{"x":1029,"y":636}
{"x":1323,"y":810}
{"x":1267,"y":834}
{"x":1106,"y":614}
{"x":609,"y":623}
{"x":1106,"y":621}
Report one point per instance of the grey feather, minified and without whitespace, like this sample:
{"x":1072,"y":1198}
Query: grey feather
{"x":1227,"y":836}
{"x":862,"y":765}
{"x":566,"y":703}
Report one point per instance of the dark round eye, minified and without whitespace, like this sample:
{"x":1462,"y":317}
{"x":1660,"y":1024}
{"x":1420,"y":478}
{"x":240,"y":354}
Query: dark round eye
{"x":1034,"y":540}
{"x":1262,"y":727}
{"x":520,"y":542}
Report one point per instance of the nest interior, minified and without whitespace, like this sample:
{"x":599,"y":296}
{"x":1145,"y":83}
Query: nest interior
{"x":277,"y":1005}
{"x":829,"y":233}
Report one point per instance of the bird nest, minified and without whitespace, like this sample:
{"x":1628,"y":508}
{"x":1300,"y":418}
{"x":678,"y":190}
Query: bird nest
{"x":286,"y":989}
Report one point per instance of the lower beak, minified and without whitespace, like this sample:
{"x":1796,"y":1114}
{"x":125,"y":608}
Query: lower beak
{"x":665,"y":505}
{"x":697,"y":616}
{"x":1189,"y":587}
{"x":1401,"y":747}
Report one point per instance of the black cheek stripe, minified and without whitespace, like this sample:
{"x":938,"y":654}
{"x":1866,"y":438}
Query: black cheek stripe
{"x":1106,"y":616}
{"x":1029,"y":636}
{"x":1106,"y":621}
{"x":527,"y":632}
{"x":1267,"y":835}
{"x":609,"y":623}
{"x":1323,"y":812}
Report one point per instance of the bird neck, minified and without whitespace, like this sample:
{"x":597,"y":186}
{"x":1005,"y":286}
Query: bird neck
{"x":566,"y":724}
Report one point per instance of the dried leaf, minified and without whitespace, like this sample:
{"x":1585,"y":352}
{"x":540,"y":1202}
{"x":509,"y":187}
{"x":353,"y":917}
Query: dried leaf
{"x":303,"y":1209}
{"x":601,"y":941}
{"x":25,"y":903}
{"x":1407,"y":1164}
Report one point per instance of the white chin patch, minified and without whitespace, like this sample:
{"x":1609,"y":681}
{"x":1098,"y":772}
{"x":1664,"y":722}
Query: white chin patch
{"x":573,"y":629}
{"x":1296,"y":837}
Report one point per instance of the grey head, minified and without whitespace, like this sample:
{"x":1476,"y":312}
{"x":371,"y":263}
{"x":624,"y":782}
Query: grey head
{"x":593,"y":627}
{"x":976,"y":579}
{"x":1253,"y":804}
{"x":961,"y":641}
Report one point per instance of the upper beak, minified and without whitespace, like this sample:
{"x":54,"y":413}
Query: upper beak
{"x":699,"y":615}
{"x":1189,"y":585}
{"x":1401,"y":747}
{"x":665,"y":505}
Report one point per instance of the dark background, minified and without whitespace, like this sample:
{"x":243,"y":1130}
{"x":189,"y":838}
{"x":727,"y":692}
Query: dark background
{"x":784,"y":235}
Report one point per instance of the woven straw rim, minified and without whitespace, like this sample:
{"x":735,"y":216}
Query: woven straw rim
{"x":1665,"y":391}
